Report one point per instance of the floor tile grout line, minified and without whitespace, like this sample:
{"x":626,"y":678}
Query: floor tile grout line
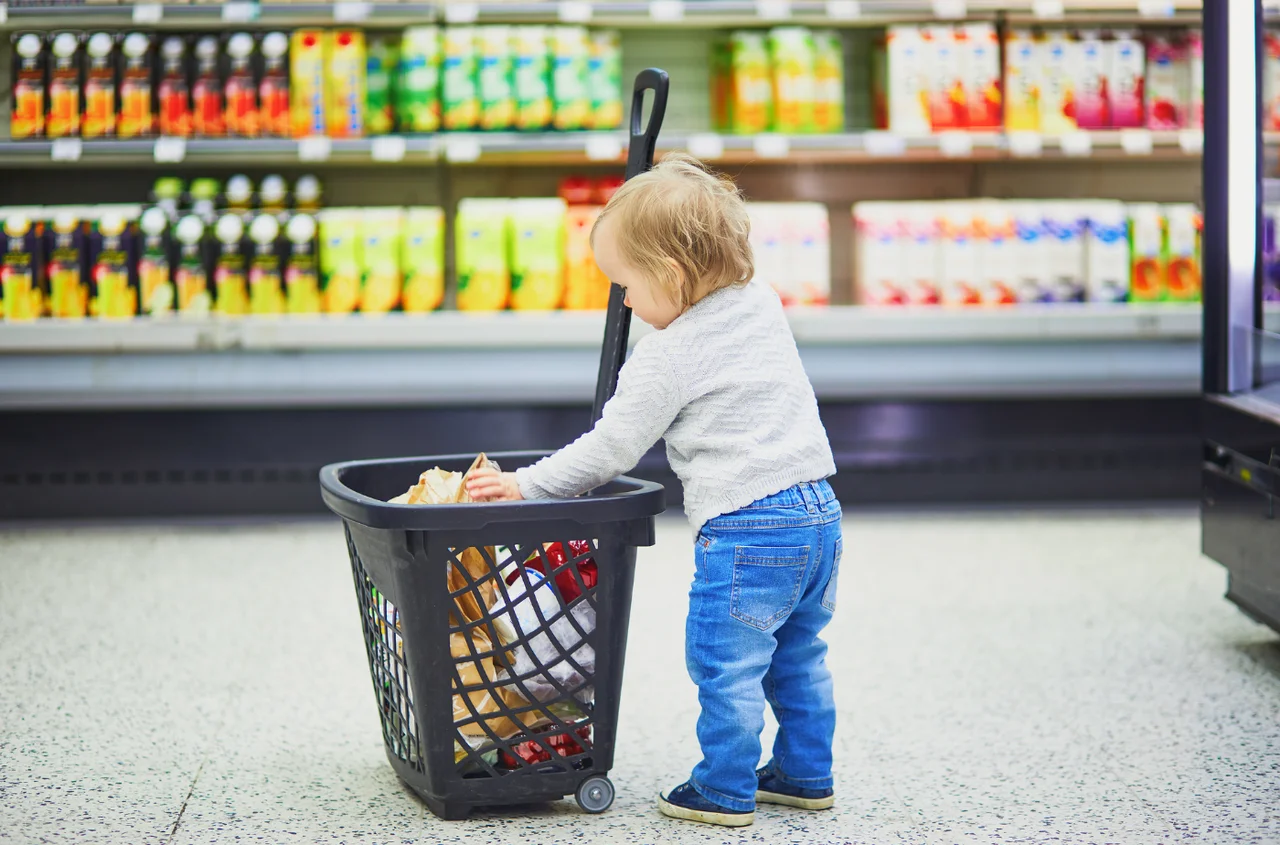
{"x":232,"y":695}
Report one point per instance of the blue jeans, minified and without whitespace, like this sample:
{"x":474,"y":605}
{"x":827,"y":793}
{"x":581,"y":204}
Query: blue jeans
{"x":765,"y":587}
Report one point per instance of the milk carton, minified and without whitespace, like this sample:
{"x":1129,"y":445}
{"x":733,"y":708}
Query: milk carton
{"x":807,"y":233}
{"x":1146,"y":243}
{"x":1126,"y":74}
{"x":1182,"y":252}
{"x":982,"y":77}
{"x":1106,"y":249}
{"x":878,"y":255}
{"x":996,"y":237}
{"x":920,"y":251}
{"x":1061,"y":62}
{"x":1064,"y":228}
{"x":1030,"y":248}
{"x":907,"y":75}
{"x":1093,"y":107}
{"x":769,"y":247}
{"x":947,"y":102}
{"x":1023,"y":73}
{"x":958,"y":262}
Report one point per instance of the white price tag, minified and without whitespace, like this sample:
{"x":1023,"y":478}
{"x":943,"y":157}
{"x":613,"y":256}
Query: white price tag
{"x":1155,"y":8}
{"x":1137,"y":142}
{"x":884,"y":143}
{"x":239,"y":11}
{"x":315,"y":148}
{"x":387,"y":148}
{"x":462,"y":148}
{"x":1049,"y":10}
{"x":148,"y":13}
{"x":66,"y":149}
{"x":950,"y":9}
{"x":1025,"y":144}
{"x":1191,"y":141}
{"x":771,"y":145}
{"x":603,"y":147}
{"x":706,"y":145}
{"x":1078,"y":144}
{"x":461,"y":12}
{"x":954,"y":144}
{"x":844,"y":10}
{"x":666,"y":10}
{"x":575,"y":11}
{"x":773,"y":10}
{"x":169,"y":150}
{"x":351,"y":11}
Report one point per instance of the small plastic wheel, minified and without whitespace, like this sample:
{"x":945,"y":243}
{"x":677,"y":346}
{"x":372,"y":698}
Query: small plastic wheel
{"x":595,"y":794}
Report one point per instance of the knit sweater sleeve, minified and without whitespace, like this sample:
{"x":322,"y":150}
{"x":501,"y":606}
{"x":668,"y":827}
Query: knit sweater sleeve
{"x":647,"y":400}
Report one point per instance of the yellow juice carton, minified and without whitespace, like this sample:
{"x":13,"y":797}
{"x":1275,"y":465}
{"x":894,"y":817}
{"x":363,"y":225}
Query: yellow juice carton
{"x":341,"y":267}
{"x":828,"y":80}
{"x":347,"y":83}
{"x":1146,"y":252}
{"x":586,"y":288}
{"x":20,"y":259}
{"x":531,"y":75}
{"x":380,"y":232}
{"x":66,"y":239}
{"x":231,"y":271}
{"x":482,"y":248}
{"x":791,"y":55}
{"x":301,"y":270}
{"x":604,"y":79}
{"x":308,"y":103}
{"x":537,"y":253}
{"x":1023,"y":72}
{"x":1062,"y":59}
{"x":1182,"y":252}
{"x":750,"y":83}
{"x":417,"y":91}
{"x":459,"y":91}
{"x":423,"y":259}
{"x":572,"y":100}
{"x":497,"y":97}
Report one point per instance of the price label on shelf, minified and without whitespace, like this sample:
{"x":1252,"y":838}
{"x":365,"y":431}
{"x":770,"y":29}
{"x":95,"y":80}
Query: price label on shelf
{"x":1025,"y":144}
{"x":461,"y":12}
{"x":1137,"y":142}
{"x":1191,"y":141}
{"x":1156,"y":8}
{"x":1049,"y":10}
{"x":950,"y":9}
{"x":148,"y":13}
{"x":462,"y":148}
{"x":705,"y":145}
{"x":387,"y":148}
{"x":603,"y":147}
{"x":66,"y":149}
{"x":351,"y":11}
{"x":169,"y":150}
{"x":666,"y":10}
{"x":844,"y":10}
{"x":315,"y":148}
{"x":773,"y":10}
{"x":239,"y":11}
{"x":954,"y":144}
{"x":771,"y":145}
{"x":884,"y":143}
{"x":575,"y":11}
{"x":1077,"y":144}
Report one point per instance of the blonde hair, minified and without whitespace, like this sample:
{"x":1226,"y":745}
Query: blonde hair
{"x":683,"y":227}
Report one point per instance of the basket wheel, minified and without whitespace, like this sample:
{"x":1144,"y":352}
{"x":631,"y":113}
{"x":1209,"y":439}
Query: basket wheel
{"x":595,"y":794}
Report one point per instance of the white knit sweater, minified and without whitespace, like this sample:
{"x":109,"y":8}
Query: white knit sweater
{"x":723,"y":384}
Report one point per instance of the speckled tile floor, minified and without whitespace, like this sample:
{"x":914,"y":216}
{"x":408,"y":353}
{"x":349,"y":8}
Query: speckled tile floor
{"x":1001,"y":677}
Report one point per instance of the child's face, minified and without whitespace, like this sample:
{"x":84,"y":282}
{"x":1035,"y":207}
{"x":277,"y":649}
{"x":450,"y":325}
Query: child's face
{"x":649,"y":302}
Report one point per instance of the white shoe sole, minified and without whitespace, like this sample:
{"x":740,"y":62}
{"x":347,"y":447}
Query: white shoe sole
{"x":763,"y":797}
{"x":723,"y":819}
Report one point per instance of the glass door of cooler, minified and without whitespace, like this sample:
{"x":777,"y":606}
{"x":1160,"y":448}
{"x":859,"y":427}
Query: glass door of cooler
{"x":1241,"y":252}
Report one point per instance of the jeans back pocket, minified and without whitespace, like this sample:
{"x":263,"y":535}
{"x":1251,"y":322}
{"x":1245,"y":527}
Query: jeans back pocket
{"x":767,"y":581}
{"x":829,"y":594}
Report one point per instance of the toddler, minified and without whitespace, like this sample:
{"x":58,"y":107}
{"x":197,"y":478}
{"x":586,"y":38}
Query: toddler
{"x":721,"y":381}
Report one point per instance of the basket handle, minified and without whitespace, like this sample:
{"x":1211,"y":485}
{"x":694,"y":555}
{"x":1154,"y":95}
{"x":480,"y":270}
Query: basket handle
{"x":617,"y":326}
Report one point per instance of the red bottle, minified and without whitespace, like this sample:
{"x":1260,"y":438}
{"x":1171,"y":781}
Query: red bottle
{"x":241,"y":91}
{"x":206,"y":93}
{"x":175,"y":92}
{"x":273,"y":91}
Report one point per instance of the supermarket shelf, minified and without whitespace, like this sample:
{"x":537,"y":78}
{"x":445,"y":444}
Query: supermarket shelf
{"x":218,"y":16}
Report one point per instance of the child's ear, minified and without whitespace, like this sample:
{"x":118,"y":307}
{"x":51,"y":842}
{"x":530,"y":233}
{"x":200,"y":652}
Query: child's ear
{"x":678,"y":280}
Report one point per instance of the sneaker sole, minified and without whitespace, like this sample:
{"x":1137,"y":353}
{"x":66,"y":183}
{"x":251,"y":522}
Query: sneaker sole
{"x":723,"y":819}
{"x":795,"y":801}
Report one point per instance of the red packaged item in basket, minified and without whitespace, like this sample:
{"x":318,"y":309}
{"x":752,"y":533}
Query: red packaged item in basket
{"x":561,"y":573}
{"x":533,"y":752}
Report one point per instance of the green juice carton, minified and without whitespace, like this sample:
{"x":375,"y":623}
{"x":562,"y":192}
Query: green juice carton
{"x":460,"y":100}
{"x":482,"y":255}
{"x":380,"y":234}
{"x":604,"y":79}
{"x":572,"y":101}
{"x":537,"y":253}
{"x":341,"y":268}
{"x":417,"y":91}
{"x":750,"y":86}
{"x":381,"y":61}
{"x":497,"y":97}
{"x":531,"y":76}
{"x":791,"y":54}
{"x":828,"y":81}
{"x":422,"y":259}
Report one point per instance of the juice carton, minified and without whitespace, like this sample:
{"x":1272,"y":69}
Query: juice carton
{"x":21,"y":257}
{"x":1023,"y":79}
{"x":806,"y":231}
{"x":231,"y":271}
{"x":417,"y":91}
{"x":1182,"y":252}
{"x":208,"y":107}
{"x":948,"y":106}
{"x":997,"y":237}
{"x":769,"y":248}
{"x":422,"y":259}
{"x":341,"y":265}
{"x":481,"y":247}
{"x":497,"y":99}
{"x":1195,"y":70}
{"x":113,"y":262}
{"x":878,"y":255}
{"x":828,"y":81}
{"x":570,"y":97}
{"x":721,"y":84}
{"x":266,"y":276}
{"x":308,"y":83}
{"x":907,"y":76}
{"x":1106,"y":249}
{"x":99,"y":87}
{"x":586,"y":288}
{"x":1093,"y":101}
{"x":750,"y":84}
{"x":537,"y":253}
{"x":982,"y":77}
{"x":173,"y":115}
{"x":381,"y":232}
{"x":459,"y":95}
{"x":155,"y":263}
{"x":1126,"y":80}
{"x":65,"y":268}
{"x":959,"y":276}
{"x":1061,"y":57}
{"x":27,"y":115}
{"x":191,"y":275}
{"x":241,"y":91}
{"x":1147,"y":253}
{"x":66,"y":57}
{"x":791,"y":56}
{"x":301,"y":273}
{"x":919,"y":235}
{"x":136,"y":119}
{"x":346,"y":83}
{"x":604,"y":79}
{"x":1064,"y":228}
{"x":1167,"y":82}
{"x":531,"y":74}
{"x":1030,"y":251}
{"x":273,"y":88}
{"x":380,"y":76}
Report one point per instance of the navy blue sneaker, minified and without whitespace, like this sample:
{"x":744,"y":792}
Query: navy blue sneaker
{"x":684,"y":802}
{"x":770,"y":790}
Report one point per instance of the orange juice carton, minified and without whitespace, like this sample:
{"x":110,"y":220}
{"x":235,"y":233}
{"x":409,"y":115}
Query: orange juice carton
{"x":791,"y":58}
{"x":301,"y":269}
{"x":381,"y":230}
{"x":878,"y":254}
{"x":459,"y":89}
{"x":65,"y":269}
{"x":27,"y":110}
{"x":769,"y":247}
{"x":422,"y":259}
{"x":1030,"y":248}
{"x":1146,"y":252}
{"x":537,"y":253}
{"x":983,"y":94}
{"x":569,"y":58}
{"x":113,"y":261}
{"x":948,"y":107}
{"x":1126,"y":80}
{"x":905,"y":75}
{"x":266,"y":267}
{"x":497,"y":97}
{"x":1168,"y":82}
{"x":1061,"y":63}
{"x":828,"y":81}
{"x":1023,"y":80}
{"x":586,"y":288}
{"x":996,"y":237}
{"x":919,"y":232}
{"x":347,"y":86}
{"x":1064,"y":228}
{"x":66,"y":57}
{"x":808,"y":238}
{"x":21,"y":295}
{"x":1106,"y":251}
{"x":136,"y":118}
{"x":959,"y":275}
{"x":341,"y":264}
{"x":308,"y":83}
{"x":156,"y":294}
{"x":748,"y":86}
{"x":1182,"y":252}
{"x":99,"y":86}
{"x":1093,"y":101}
{"x":241,"y":90}
{"x":482,"y":254}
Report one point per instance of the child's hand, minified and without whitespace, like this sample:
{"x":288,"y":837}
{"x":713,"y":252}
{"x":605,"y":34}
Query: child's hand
{"x":488,"y":485}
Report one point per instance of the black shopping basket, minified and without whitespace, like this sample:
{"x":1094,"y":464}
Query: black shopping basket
{"x":496,"y":632}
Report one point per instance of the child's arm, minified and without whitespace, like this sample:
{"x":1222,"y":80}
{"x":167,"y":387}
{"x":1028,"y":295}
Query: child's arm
{"x":646,"y":402}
